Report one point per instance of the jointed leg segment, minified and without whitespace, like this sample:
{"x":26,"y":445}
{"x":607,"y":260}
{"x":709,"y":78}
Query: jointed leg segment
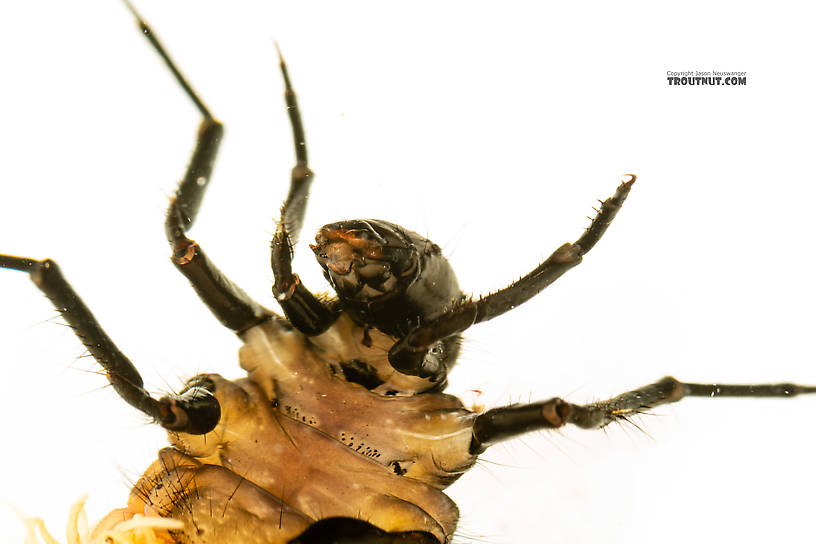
{"x":510,"y":421}
{"x":408,"y":355}
{"x":230,"y":304}
{"x":295,"y":207}
{"x":307,"y":313}
{"x":193,"y":411}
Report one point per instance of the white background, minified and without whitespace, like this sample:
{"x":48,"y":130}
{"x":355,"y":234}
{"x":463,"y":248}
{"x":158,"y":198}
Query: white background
{"x":491,"y":129}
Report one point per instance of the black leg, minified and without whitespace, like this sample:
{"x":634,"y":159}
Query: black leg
{"x":408,"y":354}
{"x":307,"y":313}
{"x":194,"y":410}
{"x":230,"y":304}
{"x":295,"y":207}
{"x":510,"y":421}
